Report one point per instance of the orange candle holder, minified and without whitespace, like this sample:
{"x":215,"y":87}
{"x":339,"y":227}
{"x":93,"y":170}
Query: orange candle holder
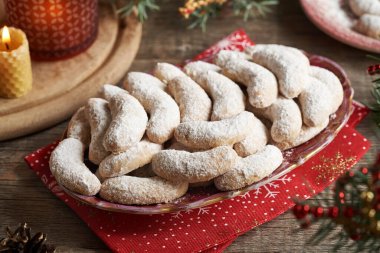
{"x":55,"y":29}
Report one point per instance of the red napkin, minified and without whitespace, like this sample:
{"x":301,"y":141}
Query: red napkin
{"x":213,"y":228}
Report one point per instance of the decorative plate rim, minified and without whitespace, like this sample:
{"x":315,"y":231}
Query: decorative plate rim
{"x":99,"y":203}
{"x":357,"y":40}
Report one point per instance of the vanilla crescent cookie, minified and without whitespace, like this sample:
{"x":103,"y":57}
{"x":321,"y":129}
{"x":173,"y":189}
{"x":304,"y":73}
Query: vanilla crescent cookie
{"x":129,"y":121}
{"x":194,"y":167}
{"x":108,"y":91}
{"x":79,"y":128}
{"x":361,"y":7}
{"x":369,"y":25}
{"x":307,"y":133}
{"x":228,"y":99}
{"x":66,"y":165}
{"x":166,"y":72}
{"x":201,"y":66}
{"x":333,"y":84}
{"x":250,"y":169}
{"x":260,"y":82}
{"x":140,"y":78}
{"x":99,"y":117}
{"x":290,"y":66}
{"x":135,"y":157}
{"x":316,"y":103}
{"x":163,"y":110}
{"x":255,"y":141}
{"x":210,"y":134}
{"x":193,"y":102}
{"x":286,"y":119}
{"x":129,"y":190}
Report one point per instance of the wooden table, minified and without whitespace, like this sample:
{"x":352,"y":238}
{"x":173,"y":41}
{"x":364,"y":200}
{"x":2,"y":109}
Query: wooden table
{"x":23,"y":197}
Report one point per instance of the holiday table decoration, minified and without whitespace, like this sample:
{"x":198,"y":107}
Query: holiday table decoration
{"x":198,"y":12}
{"x":55,"y":29}
{"x":75,"y":79}
{"x":15,"y":65}
{"x":212,"y":228}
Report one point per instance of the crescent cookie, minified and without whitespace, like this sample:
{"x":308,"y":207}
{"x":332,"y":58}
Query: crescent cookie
{"x":140,"y":78}
{"x":316,"y":103}
{"x":99,"y":117}
{"x":261,"y":83}
{"x":129,"y":121}
{"x":79,"y":128}
{"x":167,"y":72}
{"x":163,"y":110}
{"x":135,"y":157}
{"x":228,"y":99}
{"x":369,"y":25}
{"x":194,"y":167}
{"x":307,"y":133}
{"x":108,"y":91}
{"x":361,"y":7}
{"x":255,"y":141}
{"x":201,"y":66}
{"x":66,"y":165}
{"x":286,"y":119}
{"x":210,"y":134}
{"x":129,"y":190}
{"x":291,"y":67}
{"x":333,"y":84}
{"x":193,"y":102}
{"x":250,"y":169}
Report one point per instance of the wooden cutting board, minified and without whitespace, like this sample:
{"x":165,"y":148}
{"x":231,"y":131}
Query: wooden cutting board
{"x":61,"y":87}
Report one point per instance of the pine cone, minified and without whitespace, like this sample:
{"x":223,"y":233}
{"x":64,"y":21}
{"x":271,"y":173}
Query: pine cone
{"x":21,"y":241}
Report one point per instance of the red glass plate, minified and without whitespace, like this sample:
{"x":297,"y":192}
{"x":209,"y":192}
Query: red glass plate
{"x":198,"y":197}
{"x":338,"y":24}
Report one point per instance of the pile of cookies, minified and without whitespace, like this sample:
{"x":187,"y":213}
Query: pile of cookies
{"x":368,"y":13}
{"x":224,"y":123}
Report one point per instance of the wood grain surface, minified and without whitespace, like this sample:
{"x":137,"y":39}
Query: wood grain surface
{"x":24,"y":198}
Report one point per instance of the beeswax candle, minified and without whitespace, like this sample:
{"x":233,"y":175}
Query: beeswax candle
{"x":15,"y":64}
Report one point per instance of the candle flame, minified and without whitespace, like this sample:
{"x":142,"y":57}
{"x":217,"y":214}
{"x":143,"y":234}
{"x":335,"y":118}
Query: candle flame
{"x":6,"y":37}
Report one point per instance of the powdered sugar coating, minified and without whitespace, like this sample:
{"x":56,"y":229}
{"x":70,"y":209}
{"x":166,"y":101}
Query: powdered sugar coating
{"x":129,"y":190}
{"x":108,"y":91}
{"x":210,"y":134}
{"x":79,"y":128}
{"x":228,"y":99}
{"x":166,"y":72}
{"x":332,"y":83}
{"x":291,"y":67}
{"x":194,"y":167}
{"x":201,"y":66}
{"x":66,"y":165}
{"x":307,"y":133}
{"x":255,"y":141}
{"x":250,"y":169}
{"x":261,"y":83}
{"x":163,"y":110}
{"x":99,"y":117}
{"x":129,"y":121}
{"x":140,"y":78}
{"x":193,"y":102}
{"x":369,"y":25}
{"x":286,"y":119}
{"x":316,"y":103}
{"x":361,"y":7}
{"x":135,"y":157}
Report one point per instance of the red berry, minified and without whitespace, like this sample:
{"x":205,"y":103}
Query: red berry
{"x":298,"y":211}
{"x":348,"y":212}
{"x":364,"y":170}
{"x":333,"y":212}
{"x":355,"y":237}
{"x":318,"y":212}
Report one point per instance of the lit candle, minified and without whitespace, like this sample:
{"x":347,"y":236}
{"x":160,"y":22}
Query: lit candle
{"x":15,"y":65}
